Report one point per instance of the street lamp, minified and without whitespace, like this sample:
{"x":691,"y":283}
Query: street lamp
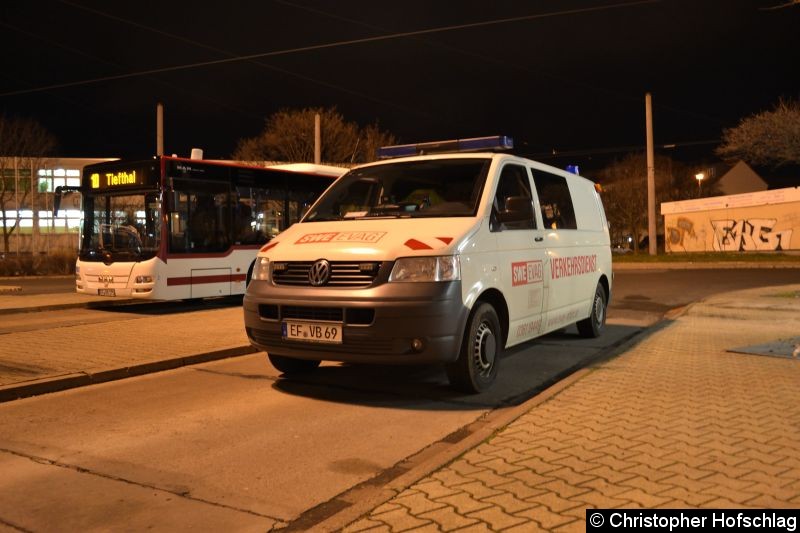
{"x":700,"y":176}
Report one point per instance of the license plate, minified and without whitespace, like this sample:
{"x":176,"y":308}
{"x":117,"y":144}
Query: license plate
{"x":312,"y":332}
{"x":106,"y":292}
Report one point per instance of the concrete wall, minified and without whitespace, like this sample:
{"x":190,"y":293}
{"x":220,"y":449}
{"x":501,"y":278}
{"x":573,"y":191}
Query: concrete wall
{"x":754,"y":222}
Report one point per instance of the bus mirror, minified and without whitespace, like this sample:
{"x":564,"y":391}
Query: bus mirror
{"x":56,"y":201}
{"x":60,"y":191}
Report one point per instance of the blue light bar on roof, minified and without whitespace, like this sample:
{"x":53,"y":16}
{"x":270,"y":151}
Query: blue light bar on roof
{"x":475,"y":144}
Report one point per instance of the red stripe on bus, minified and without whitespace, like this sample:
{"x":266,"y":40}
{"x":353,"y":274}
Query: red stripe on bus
{"x":446,"y":240}
{"x":414,"y":244}
{"x":200,"y":280}
{"x":226,"y":253}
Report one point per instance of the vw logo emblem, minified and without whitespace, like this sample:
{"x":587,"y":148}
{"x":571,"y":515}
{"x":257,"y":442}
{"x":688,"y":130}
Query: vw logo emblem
{"x":320,"y":273}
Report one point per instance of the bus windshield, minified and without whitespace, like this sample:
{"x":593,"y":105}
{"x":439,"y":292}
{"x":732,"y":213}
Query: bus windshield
{"x":413,"y":189}
{"x":121,"y":227}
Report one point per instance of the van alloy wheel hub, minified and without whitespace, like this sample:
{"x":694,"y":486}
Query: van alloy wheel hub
{"x":484,"y":348}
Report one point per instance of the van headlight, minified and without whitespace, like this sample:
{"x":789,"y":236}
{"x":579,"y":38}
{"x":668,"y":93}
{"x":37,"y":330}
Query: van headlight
{"x":443,"y":268}
{"x":261,"y":269}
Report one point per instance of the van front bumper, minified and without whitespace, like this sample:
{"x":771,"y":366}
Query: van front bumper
{"x":379,"y":324}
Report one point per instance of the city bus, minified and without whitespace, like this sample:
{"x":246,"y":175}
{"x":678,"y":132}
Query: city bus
{"x":171,"y":228}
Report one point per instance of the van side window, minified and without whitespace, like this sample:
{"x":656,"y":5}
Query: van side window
{"x":513,"y":208}
{"x":554,"y":200}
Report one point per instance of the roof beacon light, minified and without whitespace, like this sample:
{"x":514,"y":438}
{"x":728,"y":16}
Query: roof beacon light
{"x":475,"y":144}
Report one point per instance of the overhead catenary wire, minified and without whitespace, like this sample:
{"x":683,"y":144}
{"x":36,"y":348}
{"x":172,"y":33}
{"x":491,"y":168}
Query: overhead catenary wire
{"x":230,"y":54}
{"x":325,"y":46}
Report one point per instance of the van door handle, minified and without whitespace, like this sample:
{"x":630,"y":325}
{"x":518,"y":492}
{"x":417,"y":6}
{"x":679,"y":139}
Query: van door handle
{"x":538,"y":239}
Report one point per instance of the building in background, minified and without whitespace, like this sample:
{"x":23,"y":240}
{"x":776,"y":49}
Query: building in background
{"x":27,"y":224}
{"x":741,"y":178}
{"x":763,"y":221}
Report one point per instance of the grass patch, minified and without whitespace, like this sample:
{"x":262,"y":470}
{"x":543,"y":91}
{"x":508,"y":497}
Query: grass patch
{"x":789,"y":294}
{"x":708,"y":257}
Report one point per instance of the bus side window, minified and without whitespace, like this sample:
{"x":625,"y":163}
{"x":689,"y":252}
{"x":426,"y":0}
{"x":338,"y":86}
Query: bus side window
{"x":200,"y":220}
{"x":177,"y":222}
{"x":208,"y":222}
{"x":245,"y":218}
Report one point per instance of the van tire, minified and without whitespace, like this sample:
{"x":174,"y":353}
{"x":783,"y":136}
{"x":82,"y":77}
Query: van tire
{"x":476,"y":367}
{"x":594,"y":325}
{"x":290,"y":366}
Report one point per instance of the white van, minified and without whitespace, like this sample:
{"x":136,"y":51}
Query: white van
{"x":445,"y":258}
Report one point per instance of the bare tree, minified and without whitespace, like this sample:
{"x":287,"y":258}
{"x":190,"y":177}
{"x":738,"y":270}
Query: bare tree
{"x":289,"y":136}
{"x":770,"y":138}
{"x":625,"y":192}
{"x":370,"y":139}
{"x":24,"y":144}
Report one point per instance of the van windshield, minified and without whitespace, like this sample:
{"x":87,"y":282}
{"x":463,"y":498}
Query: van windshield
{"x":413,"y":189}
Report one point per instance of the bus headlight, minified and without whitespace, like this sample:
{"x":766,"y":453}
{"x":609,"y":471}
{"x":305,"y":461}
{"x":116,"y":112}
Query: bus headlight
{"x":261,"y":269}
{"x":443,"y":268}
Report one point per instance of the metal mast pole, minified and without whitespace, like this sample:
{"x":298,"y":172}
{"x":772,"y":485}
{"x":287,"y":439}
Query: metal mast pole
{"x":652,"y":228}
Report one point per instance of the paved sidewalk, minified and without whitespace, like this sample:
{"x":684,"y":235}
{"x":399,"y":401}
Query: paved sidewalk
{"x":36,"y":362}
{"x":675,"y":421}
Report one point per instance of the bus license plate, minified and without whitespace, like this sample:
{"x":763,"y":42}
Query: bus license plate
{"x":106,"y":292}
{"x":312,"y":332}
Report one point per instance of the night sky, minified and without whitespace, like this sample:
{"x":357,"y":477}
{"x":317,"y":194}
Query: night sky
{"x":558,"y":75}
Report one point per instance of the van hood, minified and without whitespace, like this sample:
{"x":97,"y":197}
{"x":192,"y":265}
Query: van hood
{"x":370,"y":240}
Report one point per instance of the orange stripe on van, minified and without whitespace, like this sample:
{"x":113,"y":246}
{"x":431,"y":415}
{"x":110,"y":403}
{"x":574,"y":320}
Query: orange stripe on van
{"x":414,"y":244}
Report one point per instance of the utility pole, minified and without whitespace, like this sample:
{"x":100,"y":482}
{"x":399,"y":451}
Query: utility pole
{"x":652,"y":226}
{"x":317,"y":140}
{"x":160,"y":129}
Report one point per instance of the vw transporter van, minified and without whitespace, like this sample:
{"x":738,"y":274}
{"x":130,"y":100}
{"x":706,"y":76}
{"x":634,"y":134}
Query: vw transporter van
{"x":446,"y":257}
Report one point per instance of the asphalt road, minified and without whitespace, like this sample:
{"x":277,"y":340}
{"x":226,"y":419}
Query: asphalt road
{"x":232,"y":445}
{"x":637,"y":293}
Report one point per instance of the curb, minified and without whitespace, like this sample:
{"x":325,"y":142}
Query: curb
{"x":92,"y":304}
{"x":35,"y":387}
{"x":358,"y":501}
{"x":6,"y":289}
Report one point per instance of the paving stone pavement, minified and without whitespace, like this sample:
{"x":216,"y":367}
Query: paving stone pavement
{"x":675,"y":421}
{"x":35,"y":362}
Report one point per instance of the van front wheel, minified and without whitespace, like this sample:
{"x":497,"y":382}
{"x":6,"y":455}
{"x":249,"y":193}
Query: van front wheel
{"x":594,"y":325}
{"x":476,"y":367}
{"x":290,"y":366}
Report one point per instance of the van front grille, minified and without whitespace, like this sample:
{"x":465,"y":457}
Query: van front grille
{"x":343,"y":274}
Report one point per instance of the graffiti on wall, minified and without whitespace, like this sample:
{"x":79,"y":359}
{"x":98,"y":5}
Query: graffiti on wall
{"x":750,"y":234}
{"x":682,"y":230}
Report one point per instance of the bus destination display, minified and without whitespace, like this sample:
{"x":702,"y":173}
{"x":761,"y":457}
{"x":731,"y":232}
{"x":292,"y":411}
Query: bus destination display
{"x":112,"y":180}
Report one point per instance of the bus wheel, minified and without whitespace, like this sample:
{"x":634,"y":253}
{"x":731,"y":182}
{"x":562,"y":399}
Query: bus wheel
{"x":290,"y":366}
{"x":476,"y":367}
{"x":594,"y":325}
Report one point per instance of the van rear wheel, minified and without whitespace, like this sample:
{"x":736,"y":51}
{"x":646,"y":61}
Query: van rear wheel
{"x":476,"y":367}
{"x":594,"y":325}
{"x":290,"y":366}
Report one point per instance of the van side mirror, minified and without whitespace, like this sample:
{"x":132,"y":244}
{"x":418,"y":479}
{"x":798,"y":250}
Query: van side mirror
{"x":518,"y":209}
